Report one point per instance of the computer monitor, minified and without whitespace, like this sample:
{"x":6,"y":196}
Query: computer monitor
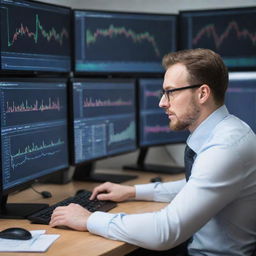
{"x":33,"y":136}
{"x":230,"y":32}
{"x":154,"y":127}
{"x":103,"y":123}
{"x":112,"y":42}
{"x":241,"y":96}
{"x":35,"y":37}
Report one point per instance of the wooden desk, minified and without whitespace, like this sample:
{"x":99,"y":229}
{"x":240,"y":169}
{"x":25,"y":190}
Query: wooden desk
{"x":75,"y":243}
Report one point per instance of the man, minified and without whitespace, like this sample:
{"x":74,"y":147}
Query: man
{"x":215,"y":210}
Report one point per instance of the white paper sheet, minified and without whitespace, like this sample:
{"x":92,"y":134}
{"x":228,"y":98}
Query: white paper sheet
{"x":39,"y":242}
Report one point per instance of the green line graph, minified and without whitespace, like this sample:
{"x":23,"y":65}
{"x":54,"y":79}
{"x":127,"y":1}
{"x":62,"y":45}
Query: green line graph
{"x":23,"y":30}
{"x":113,"y":32}
{"x":33,"y":147}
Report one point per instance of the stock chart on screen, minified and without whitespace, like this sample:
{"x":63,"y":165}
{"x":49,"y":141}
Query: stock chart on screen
{"x":104,"y":120}
{"x":241,"y":96}
{"x":33,"y":129}
{"x":229,"y":32}
{"x":34,"y":36}
{"x":153,"y":122}
{"x":122,"y":42}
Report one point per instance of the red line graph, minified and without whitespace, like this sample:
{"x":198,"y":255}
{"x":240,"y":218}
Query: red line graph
{"x":153,"y":93}
{"x":22,"y":31}
{"x":36,"y":107}
{"x":113,"y":31}
{"x":156,"y":129}
{"x":89,"y":102}
{"x":210,"y":31}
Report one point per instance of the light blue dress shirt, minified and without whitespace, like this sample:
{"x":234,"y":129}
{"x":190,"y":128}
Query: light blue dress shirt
{"x":217,"y":206}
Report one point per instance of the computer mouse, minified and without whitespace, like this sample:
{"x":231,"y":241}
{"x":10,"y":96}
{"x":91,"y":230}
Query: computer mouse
{"x":15,"y":233}
{"x":156,"y":179}
{"x":46,"y":194}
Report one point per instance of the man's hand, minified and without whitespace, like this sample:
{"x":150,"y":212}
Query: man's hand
{"x":113,"y":192}
{"x":73,"y":216}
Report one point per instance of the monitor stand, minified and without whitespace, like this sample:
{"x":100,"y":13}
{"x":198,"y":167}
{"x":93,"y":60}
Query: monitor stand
{"x":141,"y":166}
{"x":16,"y":210}
{"x":86,"y":173}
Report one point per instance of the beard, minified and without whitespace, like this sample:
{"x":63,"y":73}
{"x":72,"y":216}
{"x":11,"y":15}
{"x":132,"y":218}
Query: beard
{"x":184,"y":121}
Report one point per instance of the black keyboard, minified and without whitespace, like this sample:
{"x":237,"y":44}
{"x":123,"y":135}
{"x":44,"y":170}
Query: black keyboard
{"x":43,"y":216}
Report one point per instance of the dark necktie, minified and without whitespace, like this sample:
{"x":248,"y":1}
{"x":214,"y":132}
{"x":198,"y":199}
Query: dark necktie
{"x":189,"y":160}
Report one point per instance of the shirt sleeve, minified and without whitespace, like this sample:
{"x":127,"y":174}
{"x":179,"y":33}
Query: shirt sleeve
{"x":212,"y":185}
{"x":160,"y":192}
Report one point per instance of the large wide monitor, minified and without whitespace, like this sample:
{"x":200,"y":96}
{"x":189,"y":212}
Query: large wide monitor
{"x":33,"y":136}
{"x":35,"y":37}
{"x":230,"y":32}
{"x":241,"y":96}
{"x":103,"y":123}
{"x":112,"y":42}
{"x":154,"y":127}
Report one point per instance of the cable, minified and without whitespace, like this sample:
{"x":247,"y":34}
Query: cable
{"x":44,"y":194}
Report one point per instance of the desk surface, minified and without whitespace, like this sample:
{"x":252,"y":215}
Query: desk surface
{"x":77,"y":243}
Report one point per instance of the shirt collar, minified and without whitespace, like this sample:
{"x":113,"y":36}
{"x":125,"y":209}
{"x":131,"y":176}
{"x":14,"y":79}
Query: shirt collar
{"x":204,"y":130}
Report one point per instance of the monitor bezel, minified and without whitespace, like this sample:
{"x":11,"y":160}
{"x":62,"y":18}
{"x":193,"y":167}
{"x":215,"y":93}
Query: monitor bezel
{"x":26,"y":184}
{"x":180,"y":43}
{"x":121,"y":74}
{"x":71,"y":119}
{"x":6,"y":72}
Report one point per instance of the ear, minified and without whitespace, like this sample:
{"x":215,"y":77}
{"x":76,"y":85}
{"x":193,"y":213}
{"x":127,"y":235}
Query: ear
{"x":204,"y":93}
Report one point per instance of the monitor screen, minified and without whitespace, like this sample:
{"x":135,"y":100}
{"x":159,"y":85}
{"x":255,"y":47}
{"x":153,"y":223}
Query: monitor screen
{"x":33,"y":130}
{"x":122,"y":42}
{"x":104,"y":118}
{"x":153,"y":123}
{"x":230,"y":32}
{"x":241,"y":96}
{"x":34,"y":36}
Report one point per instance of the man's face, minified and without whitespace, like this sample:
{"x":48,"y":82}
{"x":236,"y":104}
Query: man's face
{"x":182,"y":107}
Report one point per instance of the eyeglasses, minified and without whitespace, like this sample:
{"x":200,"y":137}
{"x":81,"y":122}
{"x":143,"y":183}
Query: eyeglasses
{"x":168,"y":93}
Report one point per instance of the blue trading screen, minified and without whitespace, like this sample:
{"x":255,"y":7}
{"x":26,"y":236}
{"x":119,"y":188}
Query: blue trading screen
{"x":122,"y":42}
{"x":104,"y":118}
{"x":241,"y":97}
{"x":229,"y":32}
{"x":34,"y":36}
{"x":153,"y":122}
{"x":33,"y":130}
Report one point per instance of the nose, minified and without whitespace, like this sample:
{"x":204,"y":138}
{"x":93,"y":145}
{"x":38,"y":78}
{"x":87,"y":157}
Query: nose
{"x":164,"y":103}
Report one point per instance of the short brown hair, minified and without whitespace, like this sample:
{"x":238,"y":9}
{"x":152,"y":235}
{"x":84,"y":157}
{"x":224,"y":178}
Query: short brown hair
{"x":204,"y":66}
